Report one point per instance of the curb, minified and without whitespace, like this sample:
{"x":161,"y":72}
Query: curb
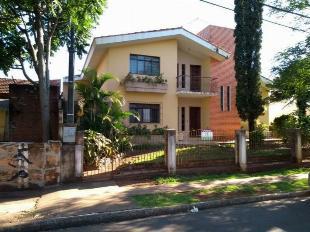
{"x":117,"y":216}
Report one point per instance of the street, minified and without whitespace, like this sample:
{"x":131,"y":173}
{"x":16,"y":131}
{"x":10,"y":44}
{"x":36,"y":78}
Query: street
{"x":275,"y":216}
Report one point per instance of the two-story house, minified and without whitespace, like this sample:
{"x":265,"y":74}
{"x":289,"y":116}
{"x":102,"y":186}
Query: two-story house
{"x":171,"y":77}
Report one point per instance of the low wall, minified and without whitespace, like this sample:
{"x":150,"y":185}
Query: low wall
{"x":43,"y":170}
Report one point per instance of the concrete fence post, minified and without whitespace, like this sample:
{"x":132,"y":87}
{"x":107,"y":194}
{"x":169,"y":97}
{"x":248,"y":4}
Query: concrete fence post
{"x":171,"y":150}
{"x":79,"y":154}
{"x":242,"y":149}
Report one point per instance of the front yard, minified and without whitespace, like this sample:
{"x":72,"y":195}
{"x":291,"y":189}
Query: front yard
{"x":145,"y":154}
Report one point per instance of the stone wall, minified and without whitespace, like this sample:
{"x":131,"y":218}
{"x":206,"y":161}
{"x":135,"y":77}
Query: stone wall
{"x":43,"y":170}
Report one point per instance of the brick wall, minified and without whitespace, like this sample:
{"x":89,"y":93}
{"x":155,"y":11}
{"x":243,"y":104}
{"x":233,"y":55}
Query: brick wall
{"x":25,"y":116}
{"x":226,"y":121}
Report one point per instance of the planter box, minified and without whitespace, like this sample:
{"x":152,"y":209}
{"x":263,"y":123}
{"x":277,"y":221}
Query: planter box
{"x":145,"y":87}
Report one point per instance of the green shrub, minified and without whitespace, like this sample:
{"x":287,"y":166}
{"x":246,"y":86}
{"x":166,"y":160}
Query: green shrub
{"x":139,"y":130}
{"x":257,"y":137}
{"x":159,"y":130}
{"x":97,"y":147}
{"x":281,"y":125}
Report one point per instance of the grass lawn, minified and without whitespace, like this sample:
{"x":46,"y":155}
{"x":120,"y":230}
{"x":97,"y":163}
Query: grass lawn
{"x":226,"y":176}
{"x":282,"y":151}
{"x":168,"y":199}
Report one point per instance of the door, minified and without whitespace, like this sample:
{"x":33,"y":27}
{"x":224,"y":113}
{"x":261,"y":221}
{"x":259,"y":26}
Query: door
{"x":194,"y":121}
{"x":195,"y":78}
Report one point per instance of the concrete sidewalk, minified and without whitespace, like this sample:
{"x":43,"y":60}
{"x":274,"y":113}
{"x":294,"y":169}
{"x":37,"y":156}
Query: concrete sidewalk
{"x":91,"y":197}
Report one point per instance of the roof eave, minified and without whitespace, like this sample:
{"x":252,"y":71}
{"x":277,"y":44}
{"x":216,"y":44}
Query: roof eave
{"x":217,"y":52}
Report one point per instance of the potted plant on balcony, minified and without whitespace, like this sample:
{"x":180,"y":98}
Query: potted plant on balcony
{"x":145,"y":83}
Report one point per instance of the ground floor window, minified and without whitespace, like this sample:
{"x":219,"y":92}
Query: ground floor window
{"x":149,"y":113}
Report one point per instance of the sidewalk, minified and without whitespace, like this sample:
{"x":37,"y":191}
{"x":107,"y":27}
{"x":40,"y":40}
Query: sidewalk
{"x":84,"y":198}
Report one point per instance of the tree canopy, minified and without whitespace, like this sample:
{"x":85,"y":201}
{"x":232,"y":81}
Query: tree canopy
{"x":293,"y":84}
{"x":33,"y":30}
{"x":248,"y":38}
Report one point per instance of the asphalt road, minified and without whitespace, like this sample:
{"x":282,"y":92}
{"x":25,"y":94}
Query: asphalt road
{"x":275,"y":216}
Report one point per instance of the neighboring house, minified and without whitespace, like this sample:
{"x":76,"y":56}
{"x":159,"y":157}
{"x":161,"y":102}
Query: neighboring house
{"x":20,"y":111}
{"x":4,"y":105}
{"x":172,"y":77}
{"x":226,"y":116}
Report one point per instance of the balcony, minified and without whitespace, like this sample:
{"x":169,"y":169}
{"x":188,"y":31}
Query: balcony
{"x":196,"y":86}
{"x":146,"y":84}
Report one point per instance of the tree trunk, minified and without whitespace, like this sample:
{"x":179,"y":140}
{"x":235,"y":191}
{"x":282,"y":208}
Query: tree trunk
{"x":301,"y":109}
{"x":252,"y":141}
{"x":47,"y":73}
{"x":251,"y":123}
{"x":43,"y":79}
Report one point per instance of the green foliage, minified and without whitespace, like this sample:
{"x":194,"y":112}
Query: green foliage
{"x":143,"y":130}
{"x":257,"y":136}
{"x":97,"y":147}
{"x":248,"y":38}
{"x":282,"y":123}
{"x":292,"y":83}
{"x":139,"y":130}
{"x":162,"y":199}
{"x":290,"y":5}
{"x":101,"y":110}
{"x":228,"y":176}
{"x":146,"y":79}
{"x":159,"y":130}
{"x":304,"y":123}
{"x":32,"y":31}
{"x":19,"y":22}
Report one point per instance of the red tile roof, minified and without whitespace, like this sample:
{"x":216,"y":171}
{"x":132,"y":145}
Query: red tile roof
{"x":5,"y":82}
{"x":222,"y":37}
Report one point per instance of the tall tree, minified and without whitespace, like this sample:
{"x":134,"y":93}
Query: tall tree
{"x":248,"y":38}
{"x":31,"y":31}
{"x":292,"y":83}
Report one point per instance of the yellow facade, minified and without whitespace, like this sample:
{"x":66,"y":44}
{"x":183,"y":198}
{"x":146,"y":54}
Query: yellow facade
{"x":116,"y":61}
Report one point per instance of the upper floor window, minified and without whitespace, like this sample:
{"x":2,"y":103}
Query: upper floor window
{"x":145,"y":65}
{"x":228,"y":99}
{"x":149,"y":113}
{"x":222,"y":98}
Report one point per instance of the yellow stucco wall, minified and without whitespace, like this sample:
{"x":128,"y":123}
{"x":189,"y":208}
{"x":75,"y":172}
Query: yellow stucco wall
{"x":264,"y":119}
{"x":117,"y":60}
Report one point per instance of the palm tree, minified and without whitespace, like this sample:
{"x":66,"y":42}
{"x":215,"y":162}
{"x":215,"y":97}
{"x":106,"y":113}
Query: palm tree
{"x":101,"y":110}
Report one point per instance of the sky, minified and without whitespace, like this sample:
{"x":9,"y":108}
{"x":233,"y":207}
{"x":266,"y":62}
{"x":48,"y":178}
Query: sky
{"x":125,"y":16}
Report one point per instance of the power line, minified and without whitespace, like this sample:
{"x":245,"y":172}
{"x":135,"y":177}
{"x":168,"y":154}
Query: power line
{"x":266,"y":20}
{"x":287,"y":11}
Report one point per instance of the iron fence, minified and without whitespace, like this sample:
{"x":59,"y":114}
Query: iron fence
{"x":146,"y":152}
{"x":201,"y":148}
{"x":263,"y":146}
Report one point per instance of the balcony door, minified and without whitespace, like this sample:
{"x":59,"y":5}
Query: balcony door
{"x":195,"y":78}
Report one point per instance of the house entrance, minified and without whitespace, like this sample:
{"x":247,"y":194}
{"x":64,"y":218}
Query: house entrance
{"x":194,"y":121}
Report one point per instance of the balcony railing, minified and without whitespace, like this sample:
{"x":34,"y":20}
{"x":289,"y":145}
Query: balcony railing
{"x":196,"y":85}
